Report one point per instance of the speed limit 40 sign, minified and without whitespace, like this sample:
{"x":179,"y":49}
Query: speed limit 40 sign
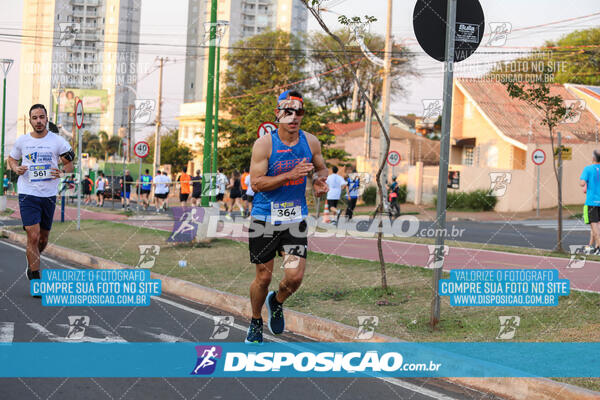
{"x":141,"y":149}
{"x":393,"y":158}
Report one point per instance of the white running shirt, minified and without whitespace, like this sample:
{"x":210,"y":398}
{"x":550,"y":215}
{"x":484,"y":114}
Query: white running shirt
{"x":335,"y":183}
{"x":39,"y":155}
{"x":249,"y":191}
{"x":160,"y":182}
{"x":100,"y":183}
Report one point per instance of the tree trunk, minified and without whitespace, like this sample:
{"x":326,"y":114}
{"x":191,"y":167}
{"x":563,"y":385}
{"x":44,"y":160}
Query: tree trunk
{"x":558,"y":176}
{"x":350,"y":65}
{"x":384,"y":285}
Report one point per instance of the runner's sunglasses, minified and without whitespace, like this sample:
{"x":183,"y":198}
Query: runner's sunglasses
{"x":290,"y":111}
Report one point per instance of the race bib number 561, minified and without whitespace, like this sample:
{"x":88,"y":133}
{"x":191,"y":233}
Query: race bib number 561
{"x":39,"y":172}
{"x":287,"y":211}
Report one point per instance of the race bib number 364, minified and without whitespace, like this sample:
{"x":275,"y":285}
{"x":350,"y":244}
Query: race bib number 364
{"x":286,"y":211}
{"x":39,"y":172}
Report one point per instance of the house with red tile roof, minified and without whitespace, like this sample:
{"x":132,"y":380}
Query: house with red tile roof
{"x":491,"y":129}
{"x":493,"y":137}
{"x":411,"y":147}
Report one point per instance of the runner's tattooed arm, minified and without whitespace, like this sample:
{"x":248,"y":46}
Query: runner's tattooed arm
{"x":320,"y":176}
{"x":259,"y":166}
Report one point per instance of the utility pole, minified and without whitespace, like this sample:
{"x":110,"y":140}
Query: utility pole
{"x":6,"y":64}
{"x":559,"y":246}
{"x":158,"y":123}
{"x":385,"y":102}
{"x":368,"y":123}
{"x":208,"y":126}
{"x":129,"y":107}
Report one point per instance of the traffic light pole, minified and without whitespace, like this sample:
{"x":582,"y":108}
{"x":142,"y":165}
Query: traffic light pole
{"x":208,"y":127}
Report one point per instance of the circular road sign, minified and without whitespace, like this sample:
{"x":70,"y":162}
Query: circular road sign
{"x":538,"y":156}
{"x":141,"y":149}
{"x":393,"y":158}
{"x":79,"y":114}
{"x":429,"y":24}
{"x":265,"y":128}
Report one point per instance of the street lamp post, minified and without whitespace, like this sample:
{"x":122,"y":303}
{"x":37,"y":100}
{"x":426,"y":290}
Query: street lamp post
{"x":6,"y":63}
{"x":208,"y":126}
{"x":221,"y":29}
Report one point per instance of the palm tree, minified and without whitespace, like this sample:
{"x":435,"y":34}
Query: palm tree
{"x":108,"y":145}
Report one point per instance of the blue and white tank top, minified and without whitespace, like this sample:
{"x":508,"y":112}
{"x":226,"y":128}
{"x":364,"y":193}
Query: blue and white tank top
{"x":287,"y":203}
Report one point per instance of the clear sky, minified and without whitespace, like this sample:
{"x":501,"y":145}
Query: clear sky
{"x":165,"y":23}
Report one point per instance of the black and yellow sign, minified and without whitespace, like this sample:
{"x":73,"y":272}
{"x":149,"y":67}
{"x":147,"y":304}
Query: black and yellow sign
{"x":567,"y":153}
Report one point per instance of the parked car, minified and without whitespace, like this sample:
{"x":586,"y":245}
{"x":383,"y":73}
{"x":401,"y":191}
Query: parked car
{"x":113,"y":188}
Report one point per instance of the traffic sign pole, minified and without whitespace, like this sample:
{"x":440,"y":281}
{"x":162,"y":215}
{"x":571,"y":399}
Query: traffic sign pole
{"x":538,"y":157}
{"x":538,"y":192}
{"x":139,"y":185}
{"x":444,"y":158}
{"x":141,"y":150}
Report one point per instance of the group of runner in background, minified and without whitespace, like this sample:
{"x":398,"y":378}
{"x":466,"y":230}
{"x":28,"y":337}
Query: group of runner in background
{"x":155,"y":191}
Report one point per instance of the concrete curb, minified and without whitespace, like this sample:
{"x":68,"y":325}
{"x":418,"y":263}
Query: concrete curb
{"x":322,"y":329}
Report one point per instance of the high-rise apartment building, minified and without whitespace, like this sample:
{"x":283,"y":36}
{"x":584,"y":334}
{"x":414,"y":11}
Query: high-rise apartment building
{"x":84,"y":48}
{"x":246,"y":18}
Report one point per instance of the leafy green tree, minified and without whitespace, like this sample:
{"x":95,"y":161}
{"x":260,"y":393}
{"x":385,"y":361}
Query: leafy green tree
{"x":337,"y":87}
{"x":171,"y":151}
{"x":259,"y":69}
{"x":575,"y":58}
{"x":91,"y":144}
{"x":553,"y":111}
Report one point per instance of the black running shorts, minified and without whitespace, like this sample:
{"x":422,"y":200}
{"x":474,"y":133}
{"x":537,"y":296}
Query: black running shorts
{"x":594,"y":214}
{"x":267,"y":240}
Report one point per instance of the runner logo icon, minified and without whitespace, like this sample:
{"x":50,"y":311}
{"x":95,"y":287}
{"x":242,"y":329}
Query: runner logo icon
{"x":207,"y":359}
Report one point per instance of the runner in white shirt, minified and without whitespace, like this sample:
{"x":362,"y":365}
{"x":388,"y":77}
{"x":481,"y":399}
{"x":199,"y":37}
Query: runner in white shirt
{"x":335,"y":183}
{"x":249,"y":196}
{"x":167,"y":181}
{"x":100,"y":188}
{"x":161,"y":190}
{"x":40,"y":152}
{"x":222,"y":183}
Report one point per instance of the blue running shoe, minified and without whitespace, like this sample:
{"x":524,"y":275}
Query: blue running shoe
{"x":255,"y":332}
{"x":276,"y":321}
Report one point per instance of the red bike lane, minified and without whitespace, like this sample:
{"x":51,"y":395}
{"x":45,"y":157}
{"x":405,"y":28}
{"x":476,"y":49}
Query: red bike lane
{"x":585,"y":277}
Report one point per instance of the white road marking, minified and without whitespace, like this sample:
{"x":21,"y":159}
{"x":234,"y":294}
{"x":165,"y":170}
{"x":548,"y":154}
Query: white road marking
{"x":7,"y":332}
{"x":55,"y":338}
{"x":417,"y":388}
{"x":210,"y":317}
{"x":163,"y":337}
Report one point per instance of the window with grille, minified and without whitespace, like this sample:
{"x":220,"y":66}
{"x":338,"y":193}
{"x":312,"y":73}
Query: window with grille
{"x":468,"y":156}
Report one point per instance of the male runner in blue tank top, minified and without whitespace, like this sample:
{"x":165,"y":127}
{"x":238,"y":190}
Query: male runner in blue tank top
{"x":280,"y":164}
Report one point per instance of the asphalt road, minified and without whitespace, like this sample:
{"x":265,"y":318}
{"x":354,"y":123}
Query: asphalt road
{"x":530,"y":234}
{"x":167,"y":319}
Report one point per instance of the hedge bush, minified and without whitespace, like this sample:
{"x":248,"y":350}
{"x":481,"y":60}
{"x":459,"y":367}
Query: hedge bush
{"x":370,"y":195}
{"x":477,"y":200}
